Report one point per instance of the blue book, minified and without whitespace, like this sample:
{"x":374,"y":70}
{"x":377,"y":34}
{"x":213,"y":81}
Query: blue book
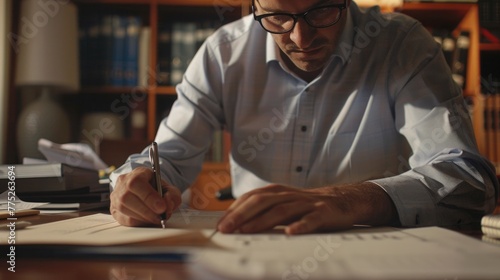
{"x":131,"y":59}
{"x":118,"y":64}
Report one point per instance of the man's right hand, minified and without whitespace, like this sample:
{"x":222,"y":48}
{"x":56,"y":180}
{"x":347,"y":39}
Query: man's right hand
{"x":134,"y":201}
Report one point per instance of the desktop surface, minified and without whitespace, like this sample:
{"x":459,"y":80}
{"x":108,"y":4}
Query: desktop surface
{"x":37,"y":267}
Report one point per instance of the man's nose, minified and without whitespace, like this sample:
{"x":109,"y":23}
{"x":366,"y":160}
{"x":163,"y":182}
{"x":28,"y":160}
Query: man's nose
{"x":302,"y":34}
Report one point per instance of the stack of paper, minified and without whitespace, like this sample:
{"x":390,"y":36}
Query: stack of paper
{"x":490,"y":226}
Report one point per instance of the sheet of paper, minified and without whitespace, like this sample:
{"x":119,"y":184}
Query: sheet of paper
{"x":367,"y":253}
{"x":102,"y":229}
{"x":74,"y":154}
{"x":363,"y":253}
{"x":15,"y":204}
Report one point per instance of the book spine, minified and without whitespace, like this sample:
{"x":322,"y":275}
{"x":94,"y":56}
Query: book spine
{"x":133,"y":26}
{"x":119,"y":33}
{"x":144,"y":54}
{"x":459,"y":67}
{"x":106,"y":49}
{"x":164,"y":53}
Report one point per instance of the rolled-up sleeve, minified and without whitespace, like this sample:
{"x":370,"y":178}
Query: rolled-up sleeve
{"x":449,"y":182}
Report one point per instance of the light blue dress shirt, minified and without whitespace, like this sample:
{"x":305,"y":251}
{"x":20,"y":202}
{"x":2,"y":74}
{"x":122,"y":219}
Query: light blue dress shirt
{"x":385,"y":109}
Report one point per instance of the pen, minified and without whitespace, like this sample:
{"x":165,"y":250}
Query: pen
{"x":155,"y":165}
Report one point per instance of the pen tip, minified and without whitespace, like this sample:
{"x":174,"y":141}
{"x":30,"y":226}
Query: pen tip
{"x":163,"y":223}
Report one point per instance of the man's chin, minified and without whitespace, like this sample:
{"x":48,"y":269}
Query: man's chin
{"x":307,"y":66}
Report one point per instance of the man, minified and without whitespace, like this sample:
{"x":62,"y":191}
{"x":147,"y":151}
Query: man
{"x":337,"y":117}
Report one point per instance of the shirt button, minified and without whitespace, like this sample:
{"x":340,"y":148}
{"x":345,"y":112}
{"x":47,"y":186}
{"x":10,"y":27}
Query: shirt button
{"x":298,"y":169}
{"x":304,"y":128}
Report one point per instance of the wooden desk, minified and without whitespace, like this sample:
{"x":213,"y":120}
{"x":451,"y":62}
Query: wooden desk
{"x":59,"y":269}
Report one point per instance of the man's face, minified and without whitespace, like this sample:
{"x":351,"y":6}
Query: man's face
{"x":308,"y":48}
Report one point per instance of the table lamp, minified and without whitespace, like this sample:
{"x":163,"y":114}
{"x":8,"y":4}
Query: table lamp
{"x":47,"y":64}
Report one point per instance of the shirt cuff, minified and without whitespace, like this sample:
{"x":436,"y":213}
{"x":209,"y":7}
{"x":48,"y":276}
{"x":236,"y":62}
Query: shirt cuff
{"x":413,"y":202}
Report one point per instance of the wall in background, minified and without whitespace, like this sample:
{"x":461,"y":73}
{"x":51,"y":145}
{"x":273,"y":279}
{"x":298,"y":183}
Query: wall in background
{"x":5,"y":19}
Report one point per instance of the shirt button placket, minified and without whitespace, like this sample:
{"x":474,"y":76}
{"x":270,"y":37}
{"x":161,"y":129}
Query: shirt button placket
{"x":302,"y":141}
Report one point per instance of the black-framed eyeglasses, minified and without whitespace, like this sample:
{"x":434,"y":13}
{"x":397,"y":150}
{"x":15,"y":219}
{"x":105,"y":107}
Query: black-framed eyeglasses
{"x":317,"y":17}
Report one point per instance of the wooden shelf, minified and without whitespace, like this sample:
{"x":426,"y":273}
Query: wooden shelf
{"x":115,"y":2}
{"x":166,"y":90}
{"x":495,"y":47}
{"x":437,"y":15}
{"x":112,"y":90}
{"x":199,"y":3}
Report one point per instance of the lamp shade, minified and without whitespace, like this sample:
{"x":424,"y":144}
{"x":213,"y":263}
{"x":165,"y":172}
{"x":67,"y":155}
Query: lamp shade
{"x":47,"y":63}
{"x":48,"y":45}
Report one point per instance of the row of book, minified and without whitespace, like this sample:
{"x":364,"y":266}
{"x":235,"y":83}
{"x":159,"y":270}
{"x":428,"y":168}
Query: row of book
{"x":109,"y":49}
{"x":177,"y":45}
{"x":115,"y":49}
{"x":455,"y":50}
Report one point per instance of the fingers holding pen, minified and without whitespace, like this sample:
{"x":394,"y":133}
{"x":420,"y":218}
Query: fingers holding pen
{"x":132,"y":202}
{"x":172,"y":198}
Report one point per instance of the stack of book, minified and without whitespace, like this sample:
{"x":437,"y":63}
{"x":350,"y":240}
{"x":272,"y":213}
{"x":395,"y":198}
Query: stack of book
{"x":109,"y":50}
{"x":60,"y":185}
{"x":490,"y":226}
